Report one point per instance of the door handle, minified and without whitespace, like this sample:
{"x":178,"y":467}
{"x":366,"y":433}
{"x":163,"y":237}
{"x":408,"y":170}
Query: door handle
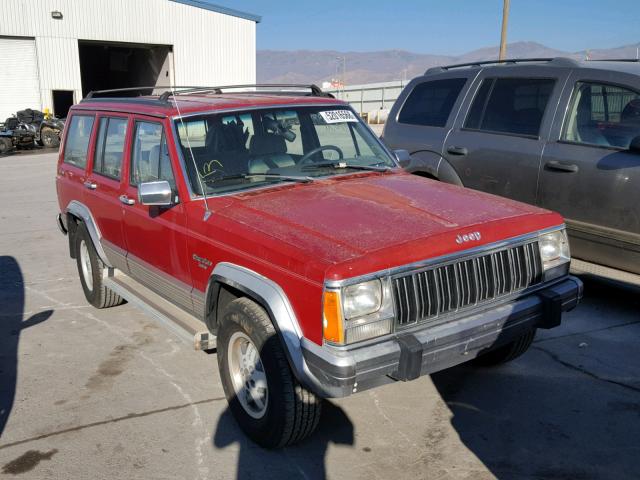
{"x":126,"y":200}
{"x":457,"y":150}
{"x":561,"y":166}
{"x":90,"y":185}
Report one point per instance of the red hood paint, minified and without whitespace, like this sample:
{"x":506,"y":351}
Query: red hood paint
{"x":358,"y":224}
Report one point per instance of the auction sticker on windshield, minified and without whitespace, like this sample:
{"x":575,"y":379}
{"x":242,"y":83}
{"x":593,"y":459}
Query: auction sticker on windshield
{"x":338,"y":116}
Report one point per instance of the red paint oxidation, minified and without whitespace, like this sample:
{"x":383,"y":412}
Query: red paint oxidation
{"x":298,"y":235}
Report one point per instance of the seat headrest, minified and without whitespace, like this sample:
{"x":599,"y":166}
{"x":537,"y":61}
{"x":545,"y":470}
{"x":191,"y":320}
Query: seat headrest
{"x":230,"y":137}
{"x":631,"y":112}
{"x":267,"y":144}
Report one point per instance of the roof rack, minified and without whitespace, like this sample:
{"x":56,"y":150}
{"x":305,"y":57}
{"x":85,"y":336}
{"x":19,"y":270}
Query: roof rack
{"x":561,"y":61}
{"x":634,"y":60}
{"x":272,"y":88}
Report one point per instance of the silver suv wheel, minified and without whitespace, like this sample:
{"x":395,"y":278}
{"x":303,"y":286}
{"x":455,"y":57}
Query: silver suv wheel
{"x":247,"y":375}
{"x":85,"y":262}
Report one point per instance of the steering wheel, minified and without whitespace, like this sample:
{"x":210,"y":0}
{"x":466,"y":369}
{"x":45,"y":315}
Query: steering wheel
{"x":306,"y":159}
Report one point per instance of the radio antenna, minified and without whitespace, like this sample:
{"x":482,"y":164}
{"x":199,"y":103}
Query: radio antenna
{"x":207,"y":212}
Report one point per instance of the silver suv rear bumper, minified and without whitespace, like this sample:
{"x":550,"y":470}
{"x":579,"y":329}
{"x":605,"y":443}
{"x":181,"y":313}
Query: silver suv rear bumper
{"x":339,"y":372}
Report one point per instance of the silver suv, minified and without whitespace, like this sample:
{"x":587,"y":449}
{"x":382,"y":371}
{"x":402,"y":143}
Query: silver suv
{"x":558,"y":133}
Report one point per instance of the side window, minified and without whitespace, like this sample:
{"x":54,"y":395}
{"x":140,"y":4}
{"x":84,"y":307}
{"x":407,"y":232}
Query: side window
{"x":430,"y":103}
{"x":603,"y":115}
{"x":510,"y":105}
{"x":150,"y":159}
{"x":110,"y":147}
{"x":78,"y":136}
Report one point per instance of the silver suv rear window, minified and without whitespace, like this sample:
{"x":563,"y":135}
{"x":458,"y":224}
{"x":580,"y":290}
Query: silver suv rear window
{"x":430,"y":103}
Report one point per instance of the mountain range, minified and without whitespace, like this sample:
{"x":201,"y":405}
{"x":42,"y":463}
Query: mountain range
{"x":317,"y":66}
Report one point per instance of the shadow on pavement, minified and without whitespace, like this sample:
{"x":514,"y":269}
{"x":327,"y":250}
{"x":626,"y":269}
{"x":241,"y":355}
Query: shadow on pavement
{"x":12,"y":300}
{"x":553,"y":413}
{"x":305,"y":460}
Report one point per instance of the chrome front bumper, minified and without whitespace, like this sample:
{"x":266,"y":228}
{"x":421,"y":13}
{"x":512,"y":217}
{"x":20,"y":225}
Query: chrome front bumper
{"x":339,"y":372}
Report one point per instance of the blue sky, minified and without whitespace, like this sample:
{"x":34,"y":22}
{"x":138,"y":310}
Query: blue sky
{"x":446,"y":26}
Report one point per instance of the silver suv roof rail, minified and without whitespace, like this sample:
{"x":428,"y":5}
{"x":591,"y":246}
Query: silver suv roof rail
{"x":170,"y":91}
{"x":633,"y":60}
{"x":559,"y":61}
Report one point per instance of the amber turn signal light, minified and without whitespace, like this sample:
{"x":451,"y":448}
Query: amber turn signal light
{"x":332,"y":325}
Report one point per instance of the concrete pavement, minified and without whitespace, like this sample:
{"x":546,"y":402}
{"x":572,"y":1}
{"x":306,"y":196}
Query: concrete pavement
{"x":100,"y":394}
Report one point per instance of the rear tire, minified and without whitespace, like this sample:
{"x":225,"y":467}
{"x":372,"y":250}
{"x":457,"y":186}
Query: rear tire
{"x":508,"y":352}
{"x":49,"y":138}
{"x":91,"y":269}
{"x":286,"y":412}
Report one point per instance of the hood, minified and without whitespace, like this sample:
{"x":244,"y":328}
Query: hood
{"x":358,"y":224}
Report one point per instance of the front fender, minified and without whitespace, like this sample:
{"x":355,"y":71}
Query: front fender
{"x":274,"y":300}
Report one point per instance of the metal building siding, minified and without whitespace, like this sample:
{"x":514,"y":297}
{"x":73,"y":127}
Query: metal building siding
{"x":18,"y":76}
{"x":59,"y":58}
{"x":208,"y":47}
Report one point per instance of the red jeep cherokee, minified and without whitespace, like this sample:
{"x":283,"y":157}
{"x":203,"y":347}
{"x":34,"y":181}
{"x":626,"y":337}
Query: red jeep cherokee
{"x":275,"y":220}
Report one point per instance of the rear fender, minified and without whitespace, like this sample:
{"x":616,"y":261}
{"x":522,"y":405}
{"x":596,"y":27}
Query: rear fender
{"x":430,"y":164}
{"x":82,"y":212}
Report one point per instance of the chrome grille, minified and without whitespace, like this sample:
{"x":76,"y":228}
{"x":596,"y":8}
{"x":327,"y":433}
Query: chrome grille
{"x":428,"y":294}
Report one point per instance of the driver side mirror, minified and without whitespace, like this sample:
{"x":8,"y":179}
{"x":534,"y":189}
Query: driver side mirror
{"x":403,"y":157}
{"x":634,"y":146}
{"x":155,"y":193}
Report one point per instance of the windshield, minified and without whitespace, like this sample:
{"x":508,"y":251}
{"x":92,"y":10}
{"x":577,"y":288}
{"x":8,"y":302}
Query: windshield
{"x":228,"y":152}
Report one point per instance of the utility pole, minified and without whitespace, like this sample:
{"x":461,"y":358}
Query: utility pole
{"x":503,"y":35}
{"x":344,"y":70}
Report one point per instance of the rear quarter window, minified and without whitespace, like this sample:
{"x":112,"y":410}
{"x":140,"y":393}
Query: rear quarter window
{"x":430,"y":103}
{"x":78,"y":137}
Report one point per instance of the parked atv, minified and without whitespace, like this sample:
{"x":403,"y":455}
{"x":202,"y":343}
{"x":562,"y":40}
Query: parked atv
{"x":47,"y":130}
{"x":14,"y":134}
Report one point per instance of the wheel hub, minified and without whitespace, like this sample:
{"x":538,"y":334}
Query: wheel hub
{"x":248,"y":375}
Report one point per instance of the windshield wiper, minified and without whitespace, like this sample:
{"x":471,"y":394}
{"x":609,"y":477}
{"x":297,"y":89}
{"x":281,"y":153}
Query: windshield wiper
{"x":338,"y":165}
{"x":291,"y":178}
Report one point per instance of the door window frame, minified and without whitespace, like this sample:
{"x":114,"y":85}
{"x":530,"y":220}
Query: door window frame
{"x":163,"y":136}
{"x":127,"y":139}
{"x":495,"y":78}
{"x":565,"y":119}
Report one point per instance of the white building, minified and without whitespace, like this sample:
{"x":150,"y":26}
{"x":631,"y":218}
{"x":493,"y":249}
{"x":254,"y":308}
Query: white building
{"x":53,"y":52}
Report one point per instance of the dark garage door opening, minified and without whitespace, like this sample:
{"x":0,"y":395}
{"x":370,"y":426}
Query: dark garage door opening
{"x":105,"y":65}
{"x":62,"y":101}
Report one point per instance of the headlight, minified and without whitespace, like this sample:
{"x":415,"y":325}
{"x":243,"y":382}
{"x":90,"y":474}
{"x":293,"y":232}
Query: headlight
{"x":554,"y":253}
{"x":357,"y":312}
{"x":362,"y":299}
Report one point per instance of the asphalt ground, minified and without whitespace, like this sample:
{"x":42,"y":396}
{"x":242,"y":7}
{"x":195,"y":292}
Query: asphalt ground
{"x":111,"y":394}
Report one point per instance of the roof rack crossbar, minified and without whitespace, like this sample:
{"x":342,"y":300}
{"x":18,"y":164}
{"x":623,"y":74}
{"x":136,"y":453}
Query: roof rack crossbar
{"x":277,"y":88}
{"x":492,"y":62}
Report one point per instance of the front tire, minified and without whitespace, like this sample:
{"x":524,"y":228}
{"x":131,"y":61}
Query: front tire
{"x":90,"y":269}
{"x":6,"y":145}
{"x":265,"y":398}
{"x":508,"y":352}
